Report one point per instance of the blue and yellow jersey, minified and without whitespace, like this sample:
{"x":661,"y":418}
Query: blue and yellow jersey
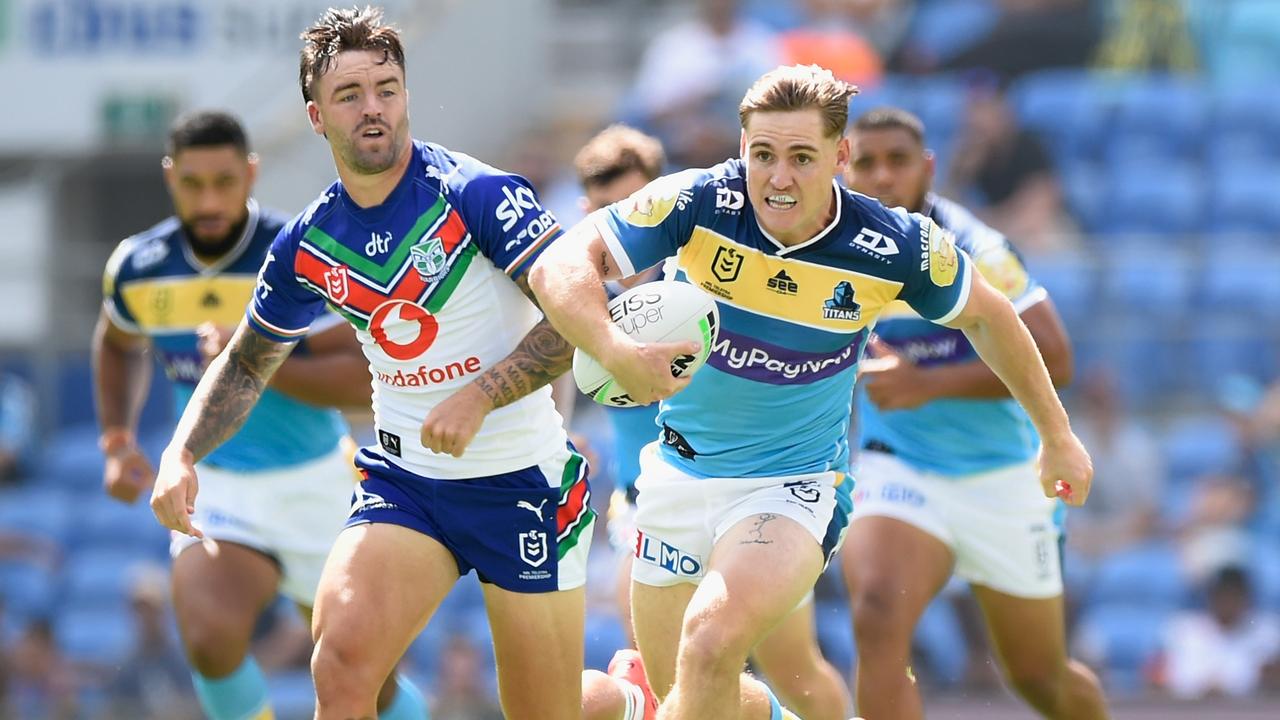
{"x":155,"y":286}
{"x":955,"y":436}
{"x":774,"y":397}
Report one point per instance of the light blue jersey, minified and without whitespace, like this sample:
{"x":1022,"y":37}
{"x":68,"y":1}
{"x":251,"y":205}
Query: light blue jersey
{"x":155,"y":286}
{"x":774,"y":397}
{"x":954,"y":436}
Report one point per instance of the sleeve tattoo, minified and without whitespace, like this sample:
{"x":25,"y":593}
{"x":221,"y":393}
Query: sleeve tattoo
{"x":229,"y":390}
{"x":540,"y":357}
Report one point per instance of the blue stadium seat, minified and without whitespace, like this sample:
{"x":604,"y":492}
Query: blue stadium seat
{"x":604,"y":636}
{"x":1152,"y":279}
{"x":292,"y":695}
{"x":38,"y":511}
{"x":28,"y":589}
{"x":98,"y":635}
{"x":110,"y":524}
{"x":71,"y":460}
{"x":940,"y":638}
{"x":946,"y":27}
{"x":1168,"y":111}
{"x":1264,"y":572}
{"x":1147,"y":199}
{"x":1066,"y":107}
{"x":1195,"y":445}
{"x":1239,"y":277}
{"x":1238,"y":344}
{"x":1245,"y":110}
{"x":835,"y":633}
{"x":1070,"y":279}
{"x":1085,"y":191}
{"x":1242,"y":199}
{"x":99,"y":576}
{"x":1127,"y":636}
{"x":1148,"y":575}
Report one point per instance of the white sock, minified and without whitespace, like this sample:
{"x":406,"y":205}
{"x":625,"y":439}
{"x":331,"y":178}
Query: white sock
{"x":634,"y":696}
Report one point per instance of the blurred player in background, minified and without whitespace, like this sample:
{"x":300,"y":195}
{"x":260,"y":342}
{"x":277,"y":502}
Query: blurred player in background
{"x":425,"y":251}
{"x":947,"y":476}
{"x":748,"y":481}
{"x":614,"y":164}
{"x":275,"y":494}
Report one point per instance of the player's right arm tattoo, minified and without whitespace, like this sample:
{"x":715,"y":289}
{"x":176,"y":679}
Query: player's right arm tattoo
{"x":229,"y":390}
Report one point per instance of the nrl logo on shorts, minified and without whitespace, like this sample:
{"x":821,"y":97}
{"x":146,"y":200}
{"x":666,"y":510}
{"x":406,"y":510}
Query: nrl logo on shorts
{"x":533,"y":547}
{"x":429,"y":259}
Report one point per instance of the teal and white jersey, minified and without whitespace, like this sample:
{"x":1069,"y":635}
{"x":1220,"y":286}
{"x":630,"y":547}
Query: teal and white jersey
{"x":155,"y":286}
{"x":774,"y":397}
{"x":954,"y":436}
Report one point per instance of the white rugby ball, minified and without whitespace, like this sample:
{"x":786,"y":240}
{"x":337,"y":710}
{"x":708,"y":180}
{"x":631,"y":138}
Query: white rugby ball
{"x":661,"y":311}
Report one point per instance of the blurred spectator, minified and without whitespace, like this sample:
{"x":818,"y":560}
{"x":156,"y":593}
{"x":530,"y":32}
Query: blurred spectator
{"x":462,"y":693}
{"x":17,"y":426}
{"x":1007,"y":176}
{"x":43,"y":683}
{"x":1214,"y":534}
{"x":1129,"y":473}
{"x":1028,"y":35}
{"x":1147,"y":35}
{"x":692,"y":77}
{"x":838,"y":35}
{"x":1226,"y":649}
{"x":153,"y":683}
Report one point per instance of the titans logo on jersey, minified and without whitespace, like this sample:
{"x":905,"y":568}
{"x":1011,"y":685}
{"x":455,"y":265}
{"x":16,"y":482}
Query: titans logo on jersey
{"x":426,"y":279}
{"x":956,"y":436}
{"x":774,"y":398}
{"x":155,"y":286}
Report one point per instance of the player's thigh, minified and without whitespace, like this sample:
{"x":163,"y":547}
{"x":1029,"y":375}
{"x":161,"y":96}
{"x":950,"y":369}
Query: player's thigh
{"x":538,"y":646}
{"x":657,"y":614}
{"x":220,"y":588}
{"x":379,"y":586}
{"x":791,"y":646}
{"x":760,"y":569}
{"x":1029,"y":634}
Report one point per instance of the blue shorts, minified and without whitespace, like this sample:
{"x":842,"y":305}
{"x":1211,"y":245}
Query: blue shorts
{"x":526,"y":531}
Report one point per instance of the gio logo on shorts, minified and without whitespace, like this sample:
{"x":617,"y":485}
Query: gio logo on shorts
{"x":668,"y":557}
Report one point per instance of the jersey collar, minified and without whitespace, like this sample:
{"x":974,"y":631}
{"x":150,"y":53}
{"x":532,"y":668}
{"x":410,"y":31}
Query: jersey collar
{"x":788,"y":249}
{"x":222,"y":263}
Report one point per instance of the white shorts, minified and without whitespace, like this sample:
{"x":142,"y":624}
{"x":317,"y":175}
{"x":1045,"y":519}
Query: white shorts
{"x":679,"y":518}
{"x":291,"y":514}
{"x":998,"y":524}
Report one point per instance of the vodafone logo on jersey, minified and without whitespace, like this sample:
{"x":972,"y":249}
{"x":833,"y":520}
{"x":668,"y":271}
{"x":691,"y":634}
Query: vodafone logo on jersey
{"x":403,"y":330}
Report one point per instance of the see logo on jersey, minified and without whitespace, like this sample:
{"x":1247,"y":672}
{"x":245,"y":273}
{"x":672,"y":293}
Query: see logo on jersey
{"x":783,"y":284}
{"x":841,"y":305}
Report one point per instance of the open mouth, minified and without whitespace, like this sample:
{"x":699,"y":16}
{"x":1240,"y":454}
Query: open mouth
{"x":780,"y":202}
{"x":373,"y":132}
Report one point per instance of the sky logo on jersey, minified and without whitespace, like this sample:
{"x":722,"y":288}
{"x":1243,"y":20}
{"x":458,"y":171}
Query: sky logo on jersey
{"x":783,"y":284}
{"x":429,"y":259}
{"x":841,"y":305}
{"x":666,"y":556}
{"x":877,"y":243}
{"x":746,"y":357}
{"x":515,"y":206}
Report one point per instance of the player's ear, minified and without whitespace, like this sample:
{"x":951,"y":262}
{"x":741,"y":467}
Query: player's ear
{"x":742,"y":144}
{"x":313,"y":114}
{"x":166,"y":165}
{"x":252,"y":170}
{"x":844,"y":150}
{"x":930,"y":164}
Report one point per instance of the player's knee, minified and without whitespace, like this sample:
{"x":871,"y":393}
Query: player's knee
{"x":341,"y":671}
{"x":1040,"y":685}
{"x":215,"y":644}
{"x":878,"y":617}
{"x":714,"y":643}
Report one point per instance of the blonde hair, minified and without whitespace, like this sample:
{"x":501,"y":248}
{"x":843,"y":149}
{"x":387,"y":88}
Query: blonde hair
{"x":800,"y":87}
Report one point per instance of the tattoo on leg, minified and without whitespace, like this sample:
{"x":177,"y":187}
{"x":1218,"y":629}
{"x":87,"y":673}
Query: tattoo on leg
{"x":757,"y":531}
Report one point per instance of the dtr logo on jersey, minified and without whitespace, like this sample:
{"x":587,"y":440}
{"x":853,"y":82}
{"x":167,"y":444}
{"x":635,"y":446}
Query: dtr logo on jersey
{"x":429,"y":259}
{"x":514,"y":207}
{"x":841,"y":305}
{"x":402,"y":329}
{"x":726,"y":264}
{"x":876,"y":242}
{"x":668,"y":557}
{"x":377,"y":244}
{"x":727,"y":199}
{"x":335,"y":283}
